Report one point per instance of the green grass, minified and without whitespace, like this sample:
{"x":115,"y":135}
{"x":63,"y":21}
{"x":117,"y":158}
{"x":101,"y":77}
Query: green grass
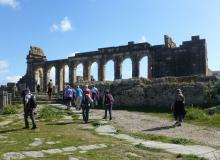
{"x":203,"y":117}
{"x":162,"y":139}
{"x":48,"y":113}
{"x":70,"y":134}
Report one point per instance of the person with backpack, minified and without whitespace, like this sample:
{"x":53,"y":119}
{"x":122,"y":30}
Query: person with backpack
{"x":86,"y":103}
{"x":108,"y":103}
{"x":30,"y":105}
{"x":95,"y":95}
{"x":68,"y":96}
{"x":178,"y":107}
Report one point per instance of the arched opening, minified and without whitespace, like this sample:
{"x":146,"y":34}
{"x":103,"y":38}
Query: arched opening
{"x":79,"y":72}
{"x":52,"y":75}
{"x":127,"y":68}
{"x":39,"y":78}
{"x":109,"y":71}
{"x":144,"y":67}
{"x":94,"y":71}
{"x":66,"y":75}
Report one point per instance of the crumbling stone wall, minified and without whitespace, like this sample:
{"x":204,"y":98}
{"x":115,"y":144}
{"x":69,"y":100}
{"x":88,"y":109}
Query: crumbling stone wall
{"x":160,"y":92}
{"x":167,"y":59}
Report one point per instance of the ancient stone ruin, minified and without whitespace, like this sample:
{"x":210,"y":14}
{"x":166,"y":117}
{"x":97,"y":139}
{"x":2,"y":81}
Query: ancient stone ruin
{"x":167,"y":59}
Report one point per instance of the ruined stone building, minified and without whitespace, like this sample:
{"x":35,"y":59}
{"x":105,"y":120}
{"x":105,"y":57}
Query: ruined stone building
{"x":190,"y":58}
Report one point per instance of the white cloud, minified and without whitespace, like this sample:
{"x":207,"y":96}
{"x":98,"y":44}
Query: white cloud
{"x":13,"y":78}
{"x":54,"y":28}
{"x":64,"y":26}
{"x":10,"y":3}
{"x":143,"y":39}
{"x":3,"y":66}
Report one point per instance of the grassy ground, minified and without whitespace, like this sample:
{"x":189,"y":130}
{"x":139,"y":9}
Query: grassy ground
{"x":69,"y":133}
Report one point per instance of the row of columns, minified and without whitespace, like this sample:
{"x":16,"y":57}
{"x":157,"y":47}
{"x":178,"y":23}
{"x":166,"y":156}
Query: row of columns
{"x":60,"y":72}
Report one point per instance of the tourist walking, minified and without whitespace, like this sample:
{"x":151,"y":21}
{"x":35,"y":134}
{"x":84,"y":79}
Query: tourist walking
{"x":86,"y":103}
{"x":108,"y":101}
{"x":95,"y":95}
{"x":30,"y":105}
{"x":79,"y":94}
{"x":68,"y":96}
{"x":38,"y":88}
{"x":50,"y":89}
{"x":178,"y":107}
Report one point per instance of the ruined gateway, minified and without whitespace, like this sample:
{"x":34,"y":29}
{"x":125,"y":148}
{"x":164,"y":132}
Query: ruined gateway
{"x":167,"y":59}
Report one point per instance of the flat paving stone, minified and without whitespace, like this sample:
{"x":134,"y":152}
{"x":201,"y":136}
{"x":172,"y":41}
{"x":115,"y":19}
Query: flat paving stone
{"x":37,"y":142}
{"x":90,"y":147}
{"x":51,"y":143}
{"x":4,"y":123}
{"x":106,"y":129}
{"x":73,"y":158}
{"x":13,"y":155}
{"x":3,"y":136}
{"x":69,"y":149}
{"x":33,"y":154}
{"x":198,"y":150}
{"x":53,"y":151}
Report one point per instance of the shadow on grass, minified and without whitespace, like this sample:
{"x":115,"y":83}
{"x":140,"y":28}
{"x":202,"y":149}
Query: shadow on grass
{"x":11,"y":130}
{"x":65,"y":123}
{"x":159,"y":128}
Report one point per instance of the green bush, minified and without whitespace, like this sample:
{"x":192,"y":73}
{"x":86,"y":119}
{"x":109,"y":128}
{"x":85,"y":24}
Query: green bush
{"x":196,"y":114}
{"x":9,"y":110}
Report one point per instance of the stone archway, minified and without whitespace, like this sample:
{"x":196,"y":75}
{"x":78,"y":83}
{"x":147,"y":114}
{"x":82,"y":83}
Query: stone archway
{"x":127,"y":68}
{"x":109,"y":70}
{"x":39,"y":79}
{"x":143,"y":67}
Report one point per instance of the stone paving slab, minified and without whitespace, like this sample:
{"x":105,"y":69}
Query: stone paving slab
{"x":4,"y":123}
{"x":198,"y":150}
{"x":40,"y":154}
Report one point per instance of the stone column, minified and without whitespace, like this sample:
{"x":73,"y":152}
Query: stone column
{"x":86,"y":71}
{"x":118,"y":68}
{"x":57,"y":77}
{"x":101,"y":70}
{"x":72,"y":73}
{"x":45,"y":79}
{"x":135,"y":67}
{"x":62,"y":77}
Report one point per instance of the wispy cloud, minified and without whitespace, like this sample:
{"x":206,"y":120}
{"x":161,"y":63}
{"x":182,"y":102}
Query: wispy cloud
{"x":10,"y":3}
{"x":13,"y":78}
{"x":143,"y":39}
{"x":64,"y":26}
{"x":3,"y":66}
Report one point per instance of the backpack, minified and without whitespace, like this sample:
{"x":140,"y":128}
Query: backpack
{"x":32,"y":102}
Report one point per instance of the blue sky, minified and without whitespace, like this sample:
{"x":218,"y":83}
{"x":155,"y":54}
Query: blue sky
{"x":62,"y":27}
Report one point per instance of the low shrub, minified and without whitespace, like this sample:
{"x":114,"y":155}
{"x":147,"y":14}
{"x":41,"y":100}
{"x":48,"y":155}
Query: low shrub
{"x":9,"y":110}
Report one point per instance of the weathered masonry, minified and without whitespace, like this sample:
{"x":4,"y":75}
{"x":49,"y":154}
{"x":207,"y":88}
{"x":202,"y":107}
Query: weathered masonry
{"x":167,"y":59}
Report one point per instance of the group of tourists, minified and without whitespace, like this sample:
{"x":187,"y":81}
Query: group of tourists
{"x":85,"y":98}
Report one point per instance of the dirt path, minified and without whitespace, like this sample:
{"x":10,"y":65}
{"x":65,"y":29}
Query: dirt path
{"x":148,"y":124}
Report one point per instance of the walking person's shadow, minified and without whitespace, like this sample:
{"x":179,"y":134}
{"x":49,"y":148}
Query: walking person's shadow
{"x":160,"y":128}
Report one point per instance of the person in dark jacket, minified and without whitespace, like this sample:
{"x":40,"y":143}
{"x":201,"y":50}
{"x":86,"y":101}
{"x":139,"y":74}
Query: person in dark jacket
{"x":108,"y":102}
{"x":86,"y":103}
{"x":179,"y":107}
